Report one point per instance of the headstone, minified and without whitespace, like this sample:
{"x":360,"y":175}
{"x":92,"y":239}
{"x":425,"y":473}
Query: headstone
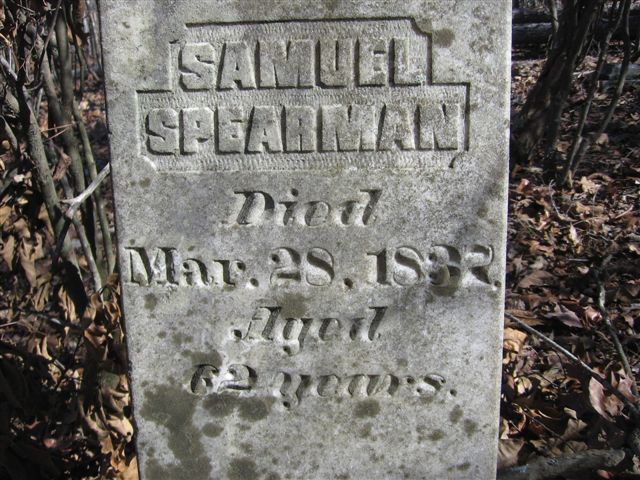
{"x":310,"y":210}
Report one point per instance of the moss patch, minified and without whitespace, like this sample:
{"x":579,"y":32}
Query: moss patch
{"x":250,"y":409}
{"x":173,"y":408}
{"x":150,"y":301}
{"x":242,"y":469}
{"x":470,"y":427}
{"x":444,"y":37}
{"x":456,"y":414}
{"x":367,"y":408}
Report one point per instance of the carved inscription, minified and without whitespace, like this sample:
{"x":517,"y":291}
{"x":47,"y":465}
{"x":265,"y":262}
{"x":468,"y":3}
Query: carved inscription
{"x":294,"y":96}
{"x":340,"y":90}
{"x":290,"y":63}
{"x":292,"y":388}
{"x":167,"y":266}
{"x":259,"y":207}
{"x":427,"y":125}
{"x":443,"y":268}
{"x":267,"y":325}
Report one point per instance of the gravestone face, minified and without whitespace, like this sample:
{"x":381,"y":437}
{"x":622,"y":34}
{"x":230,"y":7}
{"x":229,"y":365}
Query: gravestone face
{"x":310,"y":207}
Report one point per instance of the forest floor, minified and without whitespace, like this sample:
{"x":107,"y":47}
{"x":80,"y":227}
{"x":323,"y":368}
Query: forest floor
{"x":566,"y":246}
{"x":64,"y":402}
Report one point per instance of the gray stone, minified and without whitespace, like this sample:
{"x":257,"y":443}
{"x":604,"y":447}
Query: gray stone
{"x":310,"y":208}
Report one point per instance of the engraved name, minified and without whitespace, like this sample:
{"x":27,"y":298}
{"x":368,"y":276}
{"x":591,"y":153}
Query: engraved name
{"x":429,"y":124}
{"x":240,"y":93}
{"x":291,"y":63}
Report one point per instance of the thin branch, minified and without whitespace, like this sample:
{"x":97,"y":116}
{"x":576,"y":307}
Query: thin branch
{"x":75,"y":202}
{"x":84,"y":241}
{"x":600,"y":302}
{"x":586,"y":142}
{"x":593,"y":373}
{"x":578,"y":137}
{"x":8,"y":133}
{"x":48,"y":39}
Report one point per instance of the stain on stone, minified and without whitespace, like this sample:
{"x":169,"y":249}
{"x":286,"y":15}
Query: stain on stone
{"x":436,"y":435}
{"x":426,"y":400}
{"x":293,"y":305}
{"x":365,"y":431}
{"x":444,"y":37}
{"x":242,"y":469}
{"x":150,"y":301}
{"x":470,"y":427}
{"x":212,"y":430}
{"x":145,"y":182}
{"x":456,"y":414}
{"x":343,"y":476}
{"x":273,"y":476}
{"x":162,"y":334}
{"x":331,"y":4}
{"x":220,"y":405}
{"x":250,"y":409}
{"x":254,"y":408}
{"x":424,"y":25}
{"x":367,"y":408}
{"x":464,"y":466}
{"x":173,"y":408}
{"x":402,"y":362}
{"x":211,"y":357}
{"x":153,"y":469}
{"x":247,"y":447}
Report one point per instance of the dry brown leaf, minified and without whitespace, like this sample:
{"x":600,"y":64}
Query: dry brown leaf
{"x":9,"y":250}
{"x":68,"y":306}
{"x":26,"y":253}
{"x":573,"y":235}
{"x":513,"y":339}
{"x":130,"y":471}
{"x":537,"y":278}
{"x":588,"y":186}
{"x":565,"y":316}
{"x":5,"y":212}
{"x":524,"y":315}
{"x":508,"y":451}
{"x":41,"y":296}
{"x":608,"y":406}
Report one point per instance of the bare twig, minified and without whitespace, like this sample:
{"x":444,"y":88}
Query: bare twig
{"x":75,"y":202}
{"x":593,"y":373}
{"x":62,"y":118}
{"x":600,"y":302}
{"x":578,"y":137}
{"x":48,"y":39}
{"x":585,"y":142}
{"x":84,"y":241}
{"x":8,"y":133}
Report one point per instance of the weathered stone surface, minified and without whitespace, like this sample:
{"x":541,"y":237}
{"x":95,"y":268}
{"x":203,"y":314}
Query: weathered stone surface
{"x":310,"y":206}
